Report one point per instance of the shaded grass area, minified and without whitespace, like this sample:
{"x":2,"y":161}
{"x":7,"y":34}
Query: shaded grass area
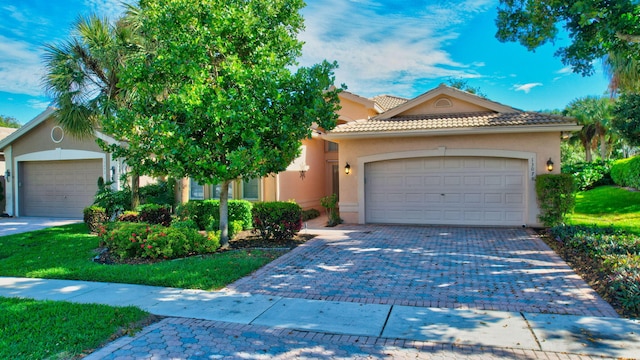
{"x":66,"y":252}
{"x":608,"y":206}
{"x":32,"y":329}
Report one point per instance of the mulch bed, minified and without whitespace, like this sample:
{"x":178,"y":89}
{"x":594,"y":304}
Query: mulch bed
{"x":589,"y":269}
{"x":245,"y":240}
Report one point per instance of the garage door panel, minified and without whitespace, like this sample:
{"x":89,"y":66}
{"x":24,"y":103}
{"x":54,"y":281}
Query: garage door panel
{"x":459,"y":191}
{"x":58,"y":188}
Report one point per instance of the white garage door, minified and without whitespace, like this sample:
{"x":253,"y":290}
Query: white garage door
{"x":58,"y":188}
{"x":446,"y":190}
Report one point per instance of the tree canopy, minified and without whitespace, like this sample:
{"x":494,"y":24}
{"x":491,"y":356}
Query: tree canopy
{"x":216,"y":98}
{"x":595,"y":28}
{"x":8,"y":121}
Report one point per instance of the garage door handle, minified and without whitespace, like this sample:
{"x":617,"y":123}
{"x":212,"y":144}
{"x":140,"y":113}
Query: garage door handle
{"x":441,"y":194}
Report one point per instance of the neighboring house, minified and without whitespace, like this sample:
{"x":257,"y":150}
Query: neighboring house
{"x":447,"y":157}
{"x":54,"y":174}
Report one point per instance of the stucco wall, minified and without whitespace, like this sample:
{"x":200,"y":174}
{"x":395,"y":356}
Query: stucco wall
{"x":39,"y":139}
{"x":352,"y":110}
{"x":308,"y":191}
{"x":542,"y":145}
{"x":457,"y":106}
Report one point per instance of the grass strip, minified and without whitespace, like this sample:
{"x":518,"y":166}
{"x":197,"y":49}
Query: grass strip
{"x":31,"y":329}
{"x":66,"y":252}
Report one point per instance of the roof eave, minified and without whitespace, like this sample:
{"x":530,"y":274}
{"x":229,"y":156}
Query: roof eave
{"x":456,"y":131}
{"x":27,"y":127}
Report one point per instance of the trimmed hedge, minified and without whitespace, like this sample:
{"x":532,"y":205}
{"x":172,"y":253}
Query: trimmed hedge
{"x":155,"y":214}
{"x":139,"y":240}
{"x":588,"y":175}
{"x":626,"y":172}
{"x":277,"y":220}
{"x":555,"y":197}
{"x":203,"y":212}
{"x":94,"y":217}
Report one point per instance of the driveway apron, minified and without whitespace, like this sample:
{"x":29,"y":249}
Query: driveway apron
{"x":506,"y":269}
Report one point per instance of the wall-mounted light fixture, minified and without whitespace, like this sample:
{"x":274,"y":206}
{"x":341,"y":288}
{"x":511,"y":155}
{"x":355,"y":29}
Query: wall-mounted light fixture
{"x":549,"y":165}
{"x":113,"y":173}
{"x":347,"y":169}
{"x":7,"y":175}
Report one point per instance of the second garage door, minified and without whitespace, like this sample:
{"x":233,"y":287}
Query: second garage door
{"x":58,"y":188}
{"x":446,"y":190}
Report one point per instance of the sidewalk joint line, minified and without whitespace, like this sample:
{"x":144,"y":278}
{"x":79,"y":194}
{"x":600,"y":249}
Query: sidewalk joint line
{"x":531,"y":330}
{"x":386,"y":321}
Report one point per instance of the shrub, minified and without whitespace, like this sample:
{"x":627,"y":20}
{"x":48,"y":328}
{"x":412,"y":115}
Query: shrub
{"x":203,"y":212}
{"x":114,"y":202}
{"x":139,"y":240}
{"x":234,"y":227}
{"x":161,"y":193}
{"x":155,"y":214}
{"x":310,"y":214}
{"x":94,"y":216}
{"x":184,"y":224}
{"x":277,"y":220}
{"x":626,"y":172}
{"x":129,"y":216}
{"x":617,"y":252}
{"x":330,"y":203}
{"x":555,"y":197}
{"x":588,"y":175}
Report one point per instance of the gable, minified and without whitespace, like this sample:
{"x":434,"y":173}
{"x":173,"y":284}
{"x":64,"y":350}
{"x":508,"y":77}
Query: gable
{"x":443,"y":104}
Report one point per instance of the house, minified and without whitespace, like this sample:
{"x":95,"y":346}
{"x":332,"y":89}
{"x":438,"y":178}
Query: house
{"x":50,"y":173}
{"x":447,"y":157}
{"x":444,"y":157}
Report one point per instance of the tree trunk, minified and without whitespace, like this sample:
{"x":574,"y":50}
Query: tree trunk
{"x":224,"y":214}
{"x":603,"y":147}
{"x":135,"y":189}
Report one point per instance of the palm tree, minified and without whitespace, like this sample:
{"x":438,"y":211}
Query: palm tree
{"x":594,"y":114}
{"x":82,"y":75}
{"x":624,"y":72}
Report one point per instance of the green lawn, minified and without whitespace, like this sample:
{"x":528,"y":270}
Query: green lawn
{"x":66,"y":252}
{"x":32,"y":329}
{"x":608,"y":206}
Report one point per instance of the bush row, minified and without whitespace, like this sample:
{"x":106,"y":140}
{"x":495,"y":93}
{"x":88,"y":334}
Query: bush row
{"x":140,"y":240}
{"x":588,"y":175}
{"x":206,"y":212}
{"x":619,"y":254}
{"x":626,"y":172}
{"x":116,"y":202}
{"x":277,"y":220}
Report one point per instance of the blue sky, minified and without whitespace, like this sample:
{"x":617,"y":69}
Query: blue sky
{"x":394,"y":47}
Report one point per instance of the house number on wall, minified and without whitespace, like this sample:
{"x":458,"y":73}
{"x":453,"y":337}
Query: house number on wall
{"x":533,"y":168}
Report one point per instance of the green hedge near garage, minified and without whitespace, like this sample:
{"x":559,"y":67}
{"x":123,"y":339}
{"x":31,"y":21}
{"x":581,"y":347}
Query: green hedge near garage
{"x":626,"y":172}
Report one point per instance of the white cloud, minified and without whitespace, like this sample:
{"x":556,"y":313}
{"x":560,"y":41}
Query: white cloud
{"x":20,"y":67}
{"x":38,"y":104}
{"x":525,"y":87}
{"x":110,"y":8}
{"x":565,"y":70}
{"x":380,"y":51}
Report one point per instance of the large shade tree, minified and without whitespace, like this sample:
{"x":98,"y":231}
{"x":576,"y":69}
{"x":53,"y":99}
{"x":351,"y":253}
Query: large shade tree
{"x":595,"y":28}
{"x":83,"y":74}
{"x":217,"y":96}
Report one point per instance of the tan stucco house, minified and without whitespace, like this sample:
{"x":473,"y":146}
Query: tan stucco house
{"x":447,"y":157}
{"x":444,"y":157}
{"x":50,"y":173}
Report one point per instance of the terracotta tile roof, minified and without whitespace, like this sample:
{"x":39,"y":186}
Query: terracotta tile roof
{"x":452,"y":121}
{"x":387,"y":102}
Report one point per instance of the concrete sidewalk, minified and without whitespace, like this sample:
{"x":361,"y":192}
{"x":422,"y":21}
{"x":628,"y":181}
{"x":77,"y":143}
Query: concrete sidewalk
{"x":521,"y":331}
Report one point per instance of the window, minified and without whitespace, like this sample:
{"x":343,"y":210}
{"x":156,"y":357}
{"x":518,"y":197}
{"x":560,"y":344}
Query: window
{"x":332,"y":147}
{"x":196,"y":191}
{"x":251,"y":189}
{"x":216,"y":194}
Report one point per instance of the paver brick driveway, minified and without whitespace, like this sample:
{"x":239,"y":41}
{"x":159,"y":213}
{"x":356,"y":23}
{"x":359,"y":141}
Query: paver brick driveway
{"x":448,"y":267}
